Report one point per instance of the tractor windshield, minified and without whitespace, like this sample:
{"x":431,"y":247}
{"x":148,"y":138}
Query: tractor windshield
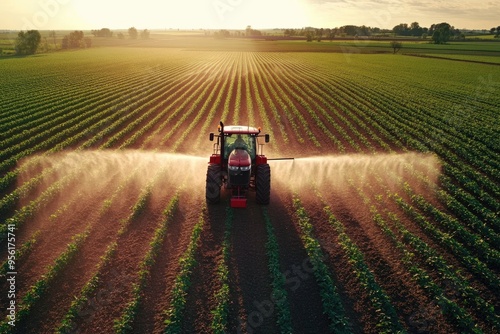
{"x":242,"y":141}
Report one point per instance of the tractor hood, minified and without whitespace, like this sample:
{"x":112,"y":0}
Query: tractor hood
{"x":239,"y":158}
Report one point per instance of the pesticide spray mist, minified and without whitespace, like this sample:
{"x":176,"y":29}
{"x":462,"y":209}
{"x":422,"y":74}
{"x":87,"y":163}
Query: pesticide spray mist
{"x":88,"y":175}
{"x":84,"y":175}
{"x":340,"y":177}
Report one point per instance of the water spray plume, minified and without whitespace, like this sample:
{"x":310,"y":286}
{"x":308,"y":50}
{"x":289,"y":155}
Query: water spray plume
{"x":98,"y":172}
{"x":92,"y":172}
{"x":336,"y":172}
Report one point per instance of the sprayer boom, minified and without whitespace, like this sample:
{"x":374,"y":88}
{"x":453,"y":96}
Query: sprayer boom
{"x":280,"y":159}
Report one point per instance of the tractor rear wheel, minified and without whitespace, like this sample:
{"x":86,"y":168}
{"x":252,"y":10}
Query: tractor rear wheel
{"x":214,"y":182}
{"x":263,"y":183}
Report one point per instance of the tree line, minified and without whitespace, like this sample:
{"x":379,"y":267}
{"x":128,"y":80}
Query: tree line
{"x":28,"y":42}
{"x":495,"y":31}
{"x":439,"y":32}
{"x":133,"y":33}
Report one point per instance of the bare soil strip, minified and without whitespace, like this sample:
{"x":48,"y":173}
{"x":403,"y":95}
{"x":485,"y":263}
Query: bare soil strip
{"x":249,"y":268}
{"x":406,"y":296}
{"x":204,"y":279}
{"x":50,"y":244}
{"x":303,"y":292}
{"x":156,"y":295}
{"x":115,"y":287}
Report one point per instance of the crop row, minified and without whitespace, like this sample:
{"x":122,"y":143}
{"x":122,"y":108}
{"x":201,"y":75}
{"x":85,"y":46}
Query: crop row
{"x":173,"y":315}
{"x":37,"y":291}
{"x":386,"y":314}
{"x":221,"y":311}
{"x":431,"y":257}
{"x":124,"y":324}
{"x":332,"y":303}
{"x":341,"y":85}
{"x":279,"y":293}
{"x":84,"y":299}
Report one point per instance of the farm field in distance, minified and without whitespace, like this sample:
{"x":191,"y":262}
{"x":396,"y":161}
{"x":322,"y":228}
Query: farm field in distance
{"x":386,"y":221}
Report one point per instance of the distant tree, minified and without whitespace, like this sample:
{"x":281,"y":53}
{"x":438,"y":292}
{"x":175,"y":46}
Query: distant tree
{"x":120,"y":35}
{"x":252,"y":32}
{"x":330,"y":33}
{"x":132,"y":33}
{"x":223,"y":33}
{"x":289,"y":32}
{"x":414,"y":29}
{"x":349,"y":30}
{"x":88,"y":42}
{"x":65,"y":42}
{"x":103,"y":32}
{"x":401,"y":29}
{"x":439,"y":37}
{"x":74,"y":40}
{"x":27,"y":43}
{"x":445,"y":33}
{"x":319,"y":34}
{"x":309,"y":36}
{"x":441,"y":33}
{"x":364,"y":31}
{"x":495,"y":31}
{"x":145,"y":34}
{"x":396,"y":46}
{"x":44,"y":45}
{"x":52,"y":34}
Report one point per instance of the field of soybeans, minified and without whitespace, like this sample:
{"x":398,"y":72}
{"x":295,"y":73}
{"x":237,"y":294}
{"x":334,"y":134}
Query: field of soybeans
{"x":387,"y":221}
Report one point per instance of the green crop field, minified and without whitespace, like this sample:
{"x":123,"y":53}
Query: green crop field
{"x":387,"y":220}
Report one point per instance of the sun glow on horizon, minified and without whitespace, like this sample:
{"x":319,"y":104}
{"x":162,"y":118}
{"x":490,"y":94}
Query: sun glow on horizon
{"x":237,"y":14}
{"x":224,"y":14}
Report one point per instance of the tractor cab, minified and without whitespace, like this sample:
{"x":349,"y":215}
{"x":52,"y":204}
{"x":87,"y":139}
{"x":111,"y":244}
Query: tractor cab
{"x":233,"y":137}
{"x":241,"y":141}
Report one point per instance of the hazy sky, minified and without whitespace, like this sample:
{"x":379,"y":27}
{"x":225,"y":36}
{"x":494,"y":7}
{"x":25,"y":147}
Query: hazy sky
{"x":215,"y":14}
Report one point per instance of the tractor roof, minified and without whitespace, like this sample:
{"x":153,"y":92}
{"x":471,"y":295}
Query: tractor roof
{"x":241,"y":129}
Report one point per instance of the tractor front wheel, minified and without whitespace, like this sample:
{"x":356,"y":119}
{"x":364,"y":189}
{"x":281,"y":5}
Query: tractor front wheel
{"x":263,"y":183}
{"x":214,"y":182}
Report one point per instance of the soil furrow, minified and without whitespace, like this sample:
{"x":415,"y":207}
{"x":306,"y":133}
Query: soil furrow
{"x":303,"y":291}
{"x":250,"y":273}
{"x":156,"y":295}
{"x":200,"y":300}
{"x":115,"y":287}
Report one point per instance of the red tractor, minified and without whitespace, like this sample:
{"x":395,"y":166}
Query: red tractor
{"x":237,"y":163}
